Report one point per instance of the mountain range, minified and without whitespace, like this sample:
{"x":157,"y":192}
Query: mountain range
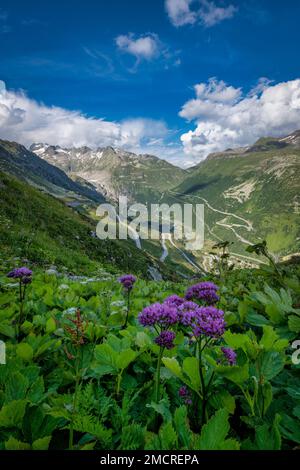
{"x":113,"y":171}
{"x":249,"y":193}
{"x":26,"y":165}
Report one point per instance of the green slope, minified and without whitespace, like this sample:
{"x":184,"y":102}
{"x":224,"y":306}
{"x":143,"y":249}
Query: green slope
{"x":260,"y":187}
{"x":44,"y":230}
{"x":18,"y":161}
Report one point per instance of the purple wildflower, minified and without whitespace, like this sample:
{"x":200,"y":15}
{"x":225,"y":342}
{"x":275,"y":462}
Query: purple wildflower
{"x":187,"y":313}
{"x":205,"y":291}
{"x":127,"y":281}
{"x":23,"y":274}
{"x":230,"y":355}
{"x":160,"y":314}
{"x":185,"y":395}
{"x":209,"y":322}
{"x":183,"y":391}
{"x":165,"y":339}
{"x":174,"y":300}
{"x":20,"y":273}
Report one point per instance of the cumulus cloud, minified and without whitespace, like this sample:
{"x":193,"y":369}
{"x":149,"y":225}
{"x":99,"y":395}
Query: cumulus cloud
{"x":144,"y":47}
{"x":179,"y":12}
{"x":26,"y":121}
{"x":225,"y":117}
{"x":211,"y":14}
{"x":206,"y":12}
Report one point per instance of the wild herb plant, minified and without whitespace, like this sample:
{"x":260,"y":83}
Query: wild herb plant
{"x":208,"y":366}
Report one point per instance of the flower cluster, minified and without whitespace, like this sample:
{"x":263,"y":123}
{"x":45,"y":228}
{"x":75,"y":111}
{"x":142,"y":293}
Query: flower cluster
{"x":202,"y":320}
{"x":23,"y":274}
{"x":174,"y":300}
{"x":127,"y":281}
{"x":165,"y":339}
{"x":204,"y":291}
{"x":162,"y":315}
{"x":187,"y":313}
{"x":230,"y":355}
{"x":209,"y":322}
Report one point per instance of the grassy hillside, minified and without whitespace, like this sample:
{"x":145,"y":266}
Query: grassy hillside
{"x":25,"y":165}
{"x":43,"y":229}
{"x":260,"y":187}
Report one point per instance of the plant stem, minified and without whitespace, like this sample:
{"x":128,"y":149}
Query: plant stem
{"x":204,"y":399}
{"x":74,"y":404}
{"x":157,"y":379}
{"x":128,"y":308}
{"x":21,"y":308}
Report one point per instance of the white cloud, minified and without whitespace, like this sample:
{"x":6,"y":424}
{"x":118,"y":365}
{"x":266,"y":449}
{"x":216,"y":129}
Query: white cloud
{"x":144,"y":47}
{"x":206,"y":12}
{"x":180,"y":13}
{"x":212,"y":14}
{"x":226,"y":118}
{"x":26,"y":121}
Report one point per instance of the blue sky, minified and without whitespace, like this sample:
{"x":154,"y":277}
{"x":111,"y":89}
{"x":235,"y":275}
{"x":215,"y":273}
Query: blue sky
{"x":126,"y":61}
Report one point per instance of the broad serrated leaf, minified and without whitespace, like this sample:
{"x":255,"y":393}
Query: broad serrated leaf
{"x":14,"y":444}
{"x":42,"y":443}
{"x":11,"y":415}
{"x":213,"y":433}
{"x":168,"y":437}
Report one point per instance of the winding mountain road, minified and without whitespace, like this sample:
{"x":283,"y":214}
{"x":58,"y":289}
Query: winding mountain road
{"x":248,"y":224}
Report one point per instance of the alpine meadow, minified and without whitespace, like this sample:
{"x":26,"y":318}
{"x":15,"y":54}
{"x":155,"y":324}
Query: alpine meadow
{"x":189,"y":110}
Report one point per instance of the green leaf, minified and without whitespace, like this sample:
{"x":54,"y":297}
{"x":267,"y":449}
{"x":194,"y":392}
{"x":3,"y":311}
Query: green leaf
{"x":14,"y":444}
{"x":173,"y":365}
{"x":296,"y":411}
{"x":230,"y":444}
{"x":271,"y":341}
{"x":214,"y":432}
{"x":190,"y":367}
{"x":26,"y":327}
{"x":143,"y":340}
{"x":11,"y":415}
{"x":268,"y":437}
{"x":236,"y":374}
{"x":168,"y":437}
{"x":50,"y":325}
{"x":106,"y":359}
{"x":6,"y":329}
{"x":182,"y":427}
{"x":16,"y":386}
{"x":41,"y":444}
{"x":36,"y":424}
{"x":25,"y":352}
{"x":91,"y":425}
{"x":163,"y":408}
{"x":133,"y":437}
{"x":223,"y":399}
{"x":290,"y":428}
{"x":243,"y":309}
{"x":267,"y":396}
{"x":294,"y":323}
{"x":88,"y":446}
{"x":256,"y":319}
{"x":241,"y":341}
{"x":272,"y":363}
{"x":36,"y":392}
{"x":125,"y":358}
